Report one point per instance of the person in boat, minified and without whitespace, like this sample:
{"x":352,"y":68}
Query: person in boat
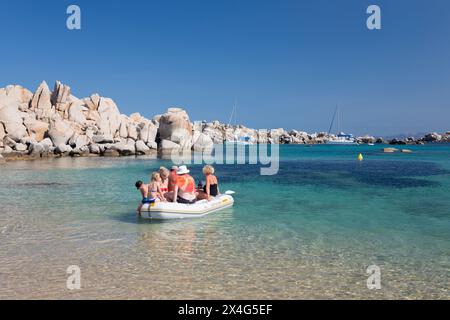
{"x":165,"y":173}
{"x":184,"y":191}
{"x":172,"y":178}
{"x":154,"y":188}
{"x":143,"y":189}
{"x":211,"y":187}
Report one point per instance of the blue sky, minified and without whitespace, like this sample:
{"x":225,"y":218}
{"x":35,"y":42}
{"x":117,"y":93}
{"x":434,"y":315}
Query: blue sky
{"x":286,"y":62}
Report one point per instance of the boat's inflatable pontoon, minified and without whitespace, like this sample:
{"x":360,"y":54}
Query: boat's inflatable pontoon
{"x":171,"y":210}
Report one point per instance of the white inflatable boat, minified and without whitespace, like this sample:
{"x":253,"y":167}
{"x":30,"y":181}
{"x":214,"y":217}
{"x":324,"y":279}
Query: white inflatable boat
{"x":171,"y":210}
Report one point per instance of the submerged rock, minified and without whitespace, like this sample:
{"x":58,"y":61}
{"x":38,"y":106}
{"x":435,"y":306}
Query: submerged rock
{"x":111,"y":153}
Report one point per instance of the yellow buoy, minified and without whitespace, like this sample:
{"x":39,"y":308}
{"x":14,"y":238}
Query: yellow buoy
{"x":360,"y":157}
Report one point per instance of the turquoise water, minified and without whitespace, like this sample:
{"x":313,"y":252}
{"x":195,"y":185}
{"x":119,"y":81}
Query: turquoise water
{"x":308,"y":232}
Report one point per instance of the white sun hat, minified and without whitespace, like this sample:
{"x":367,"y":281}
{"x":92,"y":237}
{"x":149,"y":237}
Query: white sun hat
{"x":182,"y":170}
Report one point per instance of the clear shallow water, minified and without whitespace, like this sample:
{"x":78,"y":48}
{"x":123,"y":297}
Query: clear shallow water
{"x":309,"y":232}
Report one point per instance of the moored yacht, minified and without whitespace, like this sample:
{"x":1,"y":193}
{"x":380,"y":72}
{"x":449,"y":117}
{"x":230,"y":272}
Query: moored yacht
{"x":341,"y":138}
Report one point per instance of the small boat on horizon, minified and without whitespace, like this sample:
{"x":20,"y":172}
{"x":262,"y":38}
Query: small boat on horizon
{"x":341,"y":138}
{"x":238,"y":139}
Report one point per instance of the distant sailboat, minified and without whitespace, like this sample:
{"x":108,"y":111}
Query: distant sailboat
{"x":341,"y":137}
{"x":238,"y":139}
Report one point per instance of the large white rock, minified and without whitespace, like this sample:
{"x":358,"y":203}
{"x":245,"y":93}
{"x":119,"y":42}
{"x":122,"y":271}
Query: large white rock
{"x":152,"y":145}
{"x":60,"y":96}
{"x":124,"y":149}
{"x":76,"y":112}
{"x":123,"y":128}
{"x":2,"y":134}
{"x":132,"y":131}
{"x":92,"y":115}
{"x":47,"y":142}
{"x":16,"y":95}
{"x":137,"y":118}
{"x":95,"y":149}
{"x":28,"y":140}
{"x":93,"y":102}
{"x":20,"y":147}
{"x":276,"y":134}
{"x":148,"y":132}
{"x":63,"y":149}
{"x":167,"y":145}
{"x":7,"y":149}
{"x":110,"y":117}
{"x":9,"y":142}
{"x":202,"y":142}
{"x":175,"y":126}
{"x":216,"y":134}
{"x":141,"y":147}
{"x":82,"y":141}
{"x":38,"y":149}
{"x":60,"y":132}
{"x":262,"y":136}
{"x":36,"y":129}
{"x":41,"y":102}
{"x":10,"y":117}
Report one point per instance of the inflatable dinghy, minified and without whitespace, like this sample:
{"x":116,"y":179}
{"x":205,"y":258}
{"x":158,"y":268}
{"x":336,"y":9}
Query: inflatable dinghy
{"x":171,"y":210}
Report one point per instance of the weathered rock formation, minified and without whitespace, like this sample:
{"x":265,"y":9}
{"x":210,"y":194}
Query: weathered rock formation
{"x":56,"y":123}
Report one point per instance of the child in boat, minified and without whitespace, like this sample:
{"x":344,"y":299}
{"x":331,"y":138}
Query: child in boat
{"x":154,"y":188}
{"x":211,"y":188}
{"x":143,"y":189}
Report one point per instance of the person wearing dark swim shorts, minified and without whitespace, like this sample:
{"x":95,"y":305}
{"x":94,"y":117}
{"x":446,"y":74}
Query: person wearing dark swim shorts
{"x":143,"y":189}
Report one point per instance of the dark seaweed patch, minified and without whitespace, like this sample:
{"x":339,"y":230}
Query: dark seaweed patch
{"x":38,"y":184}
{"x":338,"y":174}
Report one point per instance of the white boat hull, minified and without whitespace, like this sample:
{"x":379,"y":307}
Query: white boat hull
{"x":337,"y":142}
{"x":171,"y":210}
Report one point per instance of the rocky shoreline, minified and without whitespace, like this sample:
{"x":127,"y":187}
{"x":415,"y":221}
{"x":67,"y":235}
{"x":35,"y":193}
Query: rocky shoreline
{"x":56,"y":123}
